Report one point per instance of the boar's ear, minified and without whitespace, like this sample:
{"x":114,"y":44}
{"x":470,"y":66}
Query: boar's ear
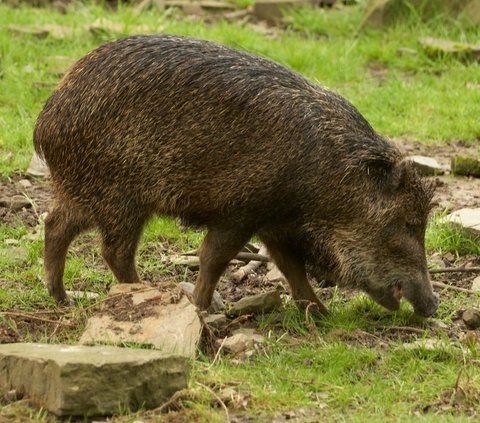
{"x":405,"y":176}
{"x":390,"y":175}
{"x":375,"y":156}
{"x":380,"y":166}
{"x":397,"y":178}
{"x":407,"y":181}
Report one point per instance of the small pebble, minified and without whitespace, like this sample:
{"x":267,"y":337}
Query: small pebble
{"x":25,"y":183}
{"x":471,"y":318}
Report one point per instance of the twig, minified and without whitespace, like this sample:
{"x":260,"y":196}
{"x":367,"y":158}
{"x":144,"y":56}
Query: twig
{"x":57,"y":326}
{"x":251,"y":248}
{"x":28,"y":316}
{"x":243,"y":256}
{"x":401,"y":328}
{"x":239,"y":319}
{"x":452,"y":287}
{"x":250,"y":267}
{"x":252,"y":256}
{"x":217,"y":354}
{"x":227,"y":415}
{"x":455,"y":269}
{"x":175,"y":397}
{"x":40,"y":312}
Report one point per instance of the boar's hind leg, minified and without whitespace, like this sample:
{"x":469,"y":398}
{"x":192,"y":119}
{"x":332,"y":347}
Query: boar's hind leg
{"x":120,"y":239}
{"x":62,"y":225}
{"x":293,"y":269}
{"x":218,"y":248}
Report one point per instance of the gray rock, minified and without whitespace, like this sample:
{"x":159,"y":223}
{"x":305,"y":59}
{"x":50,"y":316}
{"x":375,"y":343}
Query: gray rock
{"x":439,"y":47}
{"x":235,"y":343}
{"x":430,"y":344}
{"x":272,"y":10}
{"x":216,"y":321}
{"x":380,"y":13}
{"x":251,"y":334}
{"x":173,"y":328}
{"x":82,"y":295}
{"x":426,"y":166}
{"x":468,"y":219}
{"x":87,"y":381}
{"x":471,"y":317}
{"x":465,"y":166}
{"x":192,"y":262}
{"x":25,"y":183}
{"x":38,"y":168}
{"x":275,"y":275}
{"x":241,"y":341}
{"x":217,"y":302}
{"x":255,"y":304}
{"x":476,"y":284}
{"x":15,"y":202}
{"x":438,"y":324}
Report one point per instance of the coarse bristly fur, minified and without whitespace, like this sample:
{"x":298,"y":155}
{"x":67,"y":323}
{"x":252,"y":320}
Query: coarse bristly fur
{"x":224,"y":139}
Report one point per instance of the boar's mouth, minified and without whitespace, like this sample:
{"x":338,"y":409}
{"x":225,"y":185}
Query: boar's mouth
{"x":425,"y":304}
{"x":388,"y":296}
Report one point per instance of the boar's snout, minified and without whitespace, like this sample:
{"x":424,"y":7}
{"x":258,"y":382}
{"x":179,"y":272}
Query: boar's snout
{"x":427,"y":308}
{"x":421,"y":296}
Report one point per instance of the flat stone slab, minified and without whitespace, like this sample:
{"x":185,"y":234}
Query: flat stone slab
{"x":38,"y":168}
{"x":468,"y":219}
{"x":73,"y":380}
{"x":140,"y":314}
{"x":465,"y":166}
{"x":272,"y":10}
{"x":217,"y":304}
{"x":476,"y":284}
{"x":436,"y":46}
{"x":426,"y":166}
{"x":257,"y":304}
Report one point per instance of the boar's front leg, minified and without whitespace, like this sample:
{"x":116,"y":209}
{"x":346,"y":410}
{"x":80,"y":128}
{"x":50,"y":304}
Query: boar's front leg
{"x":219,"y":247}
{"x":293,"y":268}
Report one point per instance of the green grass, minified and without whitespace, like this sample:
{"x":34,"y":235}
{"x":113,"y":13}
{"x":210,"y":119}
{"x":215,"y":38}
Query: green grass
{"x":346,"y":379}
{"x":347,"y":367}
{"x":444,"y":237}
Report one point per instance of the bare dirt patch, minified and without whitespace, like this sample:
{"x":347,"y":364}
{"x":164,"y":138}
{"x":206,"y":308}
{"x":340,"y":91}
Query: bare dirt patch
{"x":452,"y":193}
{"x":122,"y":308}
{"x":38,"y":194}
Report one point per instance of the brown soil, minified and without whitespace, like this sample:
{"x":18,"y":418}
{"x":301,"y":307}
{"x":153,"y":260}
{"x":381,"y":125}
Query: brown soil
{"x":121,"y":306}
{"x":452,"y":193}
{"x":39,"y":193}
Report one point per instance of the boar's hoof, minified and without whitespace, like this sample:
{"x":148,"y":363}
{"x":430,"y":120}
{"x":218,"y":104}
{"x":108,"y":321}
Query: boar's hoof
{"x":60,"y":296}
